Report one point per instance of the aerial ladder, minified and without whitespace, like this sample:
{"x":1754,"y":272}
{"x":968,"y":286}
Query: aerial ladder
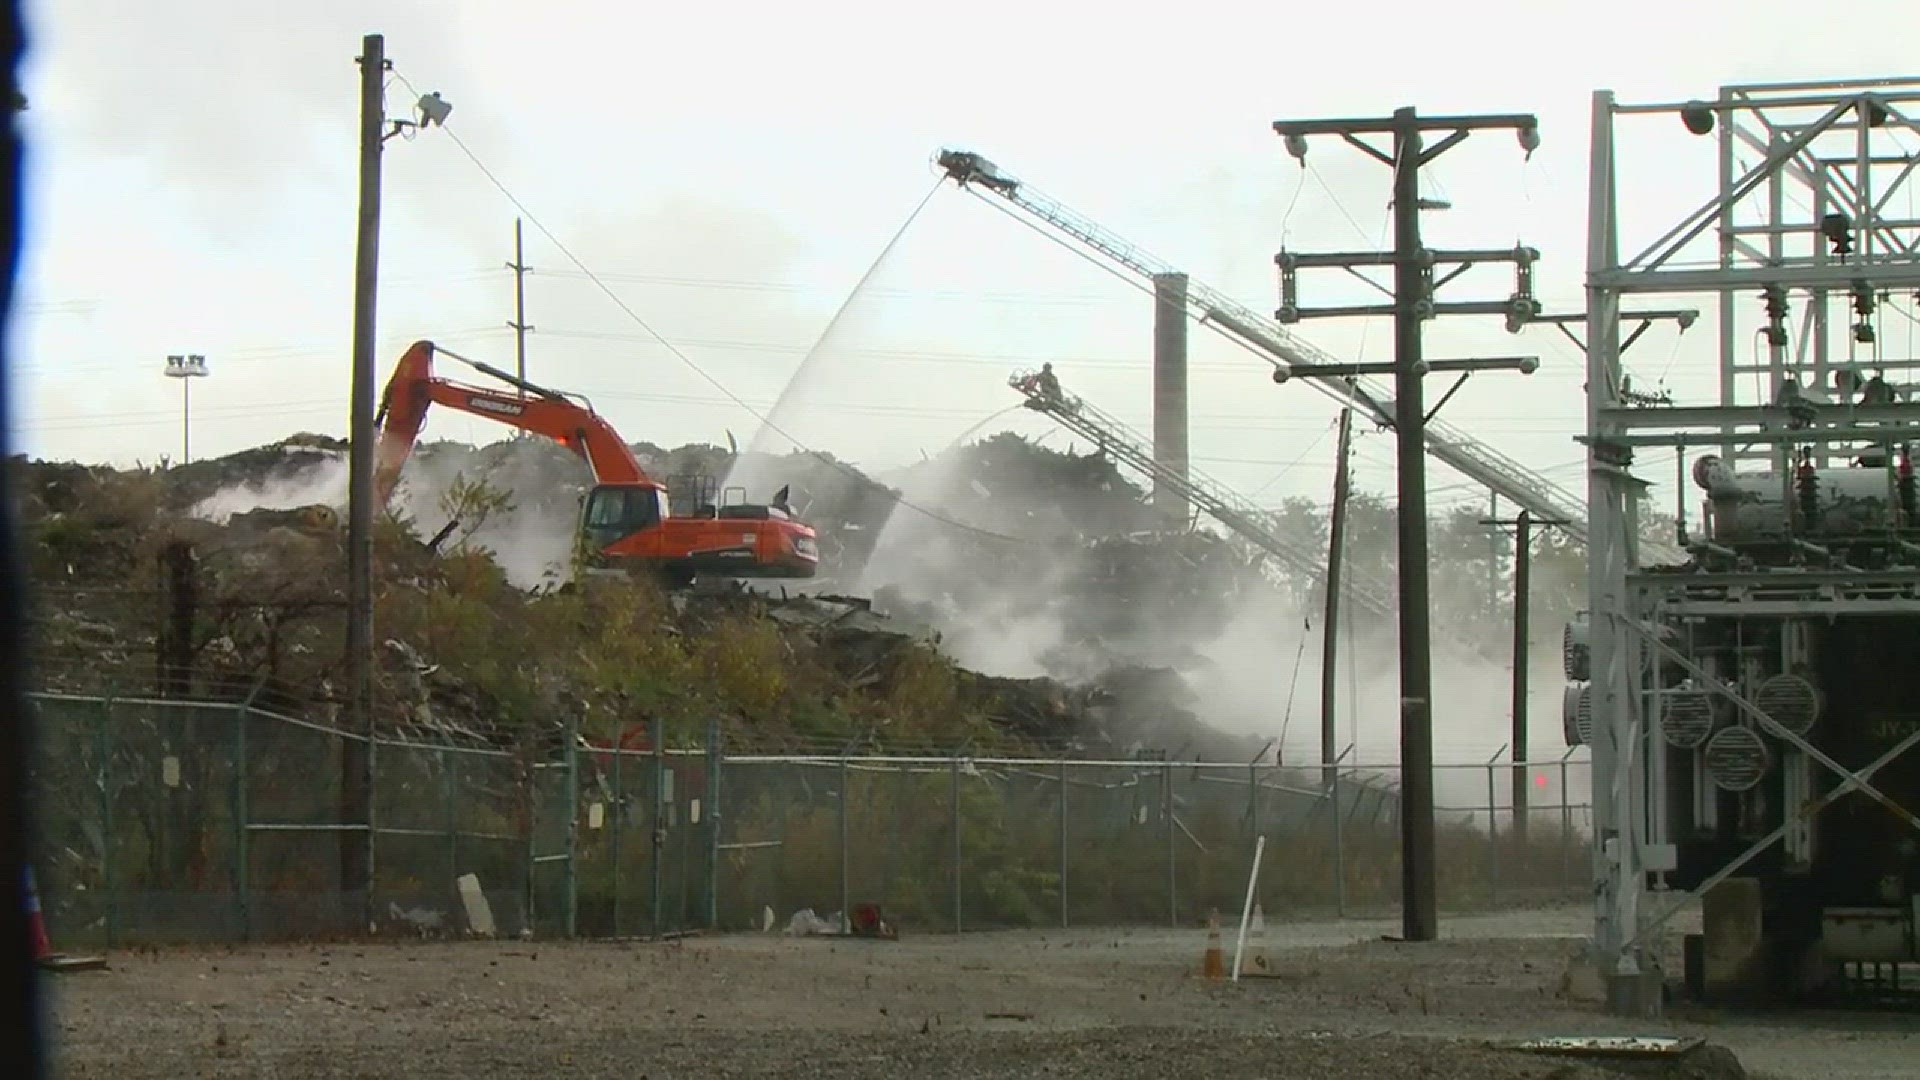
{"x":1043,"y":395}
{"x":1501,"y":474}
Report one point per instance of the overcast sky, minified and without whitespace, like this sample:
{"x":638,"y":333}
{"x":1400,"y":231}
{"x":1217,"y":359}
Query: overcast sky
{"x":731,"y":171}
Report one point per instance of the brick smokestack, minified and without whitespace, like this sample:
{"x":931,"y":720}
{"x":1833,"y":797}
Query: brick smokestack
{"x":1170,"y":388}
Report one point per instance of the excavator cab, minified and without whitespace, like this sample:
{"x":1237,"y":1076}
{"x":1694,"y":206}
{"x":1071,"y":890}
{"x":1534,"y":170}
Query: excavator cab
{"x":616,"y":511}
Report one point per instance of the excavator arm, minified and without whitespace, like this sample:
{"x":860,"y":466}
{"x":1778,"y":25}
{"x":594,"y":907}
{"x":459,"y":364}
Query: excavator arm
{"x":414,"y":388}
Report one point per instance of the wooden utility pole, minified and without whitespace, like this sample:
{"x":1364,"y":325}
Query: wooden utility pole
{"x":1330,"y":617}
{"x":356,"y":757}
{"x":1415,"y":283}
{"x":519,"y":322}
{"x":1523,"y":524}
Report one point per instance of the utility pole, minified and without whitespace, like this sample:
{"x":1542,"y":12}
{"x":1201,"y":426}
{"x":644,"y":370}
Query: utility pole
{"x":1522,"y":524}
{"x":356,"y":758}
{"x":1330,"y":618}
{"x":519,"y":324}
{"x":1413,"y":291}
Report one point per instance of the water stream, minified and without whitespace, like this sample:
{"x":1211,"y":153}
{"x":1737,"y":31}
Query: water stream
{"x":757,"y":468}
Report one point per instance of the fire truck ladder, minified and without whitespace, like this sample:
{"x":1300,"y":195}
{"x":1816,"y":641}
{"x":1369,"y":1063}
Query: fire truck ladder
{"x":1501,"y":474}
{"x":1210,"y":496}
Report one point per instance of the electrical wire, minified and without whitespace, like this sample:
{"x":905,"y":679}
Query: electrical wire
{"x":1286,"y":718}
{"x":764,"y":419}
{"x":747,"y":285}
{"x":1286,"y":220}
{"x":1337,"y":203}
{"x":1295,"y":463}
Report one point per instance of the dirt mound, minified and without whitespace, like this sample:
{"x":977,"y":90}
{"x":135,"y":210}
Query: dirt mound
{"x":141,"y":587}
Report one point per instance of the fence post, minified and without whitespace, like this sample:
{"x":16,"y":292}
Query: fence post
{"x":1253,"y":797}
{"x":530,"y":858}
{"x":1566,"y":818}
{"x":106,"y":817}
{"x":573,"y":823}
{"x":1493,"y":828}
{"x":619,"y":822}
{"x":1173,"y":884}
{"x":373,"y":801}
{"x":1339,"y":846}
{"x":450,"y":788}
{"x":1063,"y":843}
{"x":240,"y":857}
{"x":657,"y":736}
{"x":846,"y":903}
{"x":954,"y":799}
{"x":1493,"y":839}
{"x":713,"y":824}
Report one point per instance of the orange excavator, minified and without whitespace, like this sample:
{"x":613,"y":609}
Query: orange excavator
{"x":626,"y":522}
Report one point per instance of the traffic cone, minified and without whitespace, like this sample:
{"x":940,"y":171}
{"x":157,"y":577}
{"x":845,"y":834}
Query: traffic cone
{"x":43,"y":953}
{"x":1253,"y":962}
{"x":1214,"y":966}
{"x":36,"y":923}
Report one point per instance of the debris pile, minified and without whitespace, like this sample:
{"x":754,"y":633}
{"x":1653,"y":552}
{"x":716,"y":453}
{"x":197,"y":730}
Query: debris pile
{"x":226,"y":577}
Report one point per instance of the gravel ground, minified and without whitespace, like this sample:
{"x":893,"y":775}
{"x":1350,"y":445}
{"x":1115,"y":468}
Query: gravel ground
{"x":1342,"y":1003}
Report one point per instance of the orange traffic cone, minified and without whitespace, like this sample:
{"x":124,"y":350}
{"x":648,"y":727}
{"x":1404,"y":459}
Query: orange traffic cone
{"x":43,"y":953}
{"x":1214,"y":966}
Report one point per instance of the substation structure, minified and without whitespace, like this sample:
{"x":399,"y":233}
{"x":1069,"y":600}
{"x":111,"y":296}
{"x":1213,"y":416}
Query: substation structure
{"x":1750,"y":708}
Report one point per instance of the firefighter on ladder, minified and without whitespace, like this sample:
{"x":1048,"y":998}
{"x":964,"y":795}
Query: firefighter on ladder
{"x":1048,"y":382}
{"x":1043,"y":389}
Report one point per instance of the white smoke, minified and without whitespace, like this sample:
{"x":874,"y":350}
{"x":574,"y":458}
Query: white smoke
{"x":532,"y":541}
{"x":1004,"y":609}
{"x":322,"y":483}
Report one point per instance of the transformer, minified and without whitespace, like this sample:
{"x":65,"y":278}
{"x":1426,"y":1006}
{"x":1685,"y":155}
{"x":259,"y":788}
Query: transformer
{"x":1868,"y":503}
{"x":1779,"y":606}
{"x":1754,"y":735}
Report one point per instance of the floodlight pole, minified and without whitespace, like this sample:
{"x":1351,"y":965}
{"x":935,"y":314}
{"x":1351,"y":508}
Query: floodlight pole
{"x":186,"y":368}
{"x":356,"y":761}
{"x":1413,"y":304}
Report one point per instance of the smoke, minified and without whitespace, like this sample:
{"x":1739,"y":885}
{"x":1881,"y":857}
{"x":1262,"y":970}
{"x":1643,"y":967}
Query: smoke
{"x":1034,"y":563}
{"x":1089,"y":589}
{"x":531,"y":539}
{"x":323,"y":483}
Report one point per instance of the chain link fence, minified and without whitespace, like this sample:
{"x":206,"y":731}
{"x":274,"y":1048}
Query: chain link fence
{"x":170,"y":820}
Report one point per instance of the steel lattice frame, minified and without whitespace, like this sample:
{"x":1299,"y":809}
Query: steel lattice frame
{"x":1789,"y":155}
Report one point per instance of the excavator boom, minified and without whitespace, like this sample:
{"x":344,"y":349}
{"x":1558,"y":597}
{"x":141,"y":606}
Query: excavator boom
{"x":414,"y":388}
